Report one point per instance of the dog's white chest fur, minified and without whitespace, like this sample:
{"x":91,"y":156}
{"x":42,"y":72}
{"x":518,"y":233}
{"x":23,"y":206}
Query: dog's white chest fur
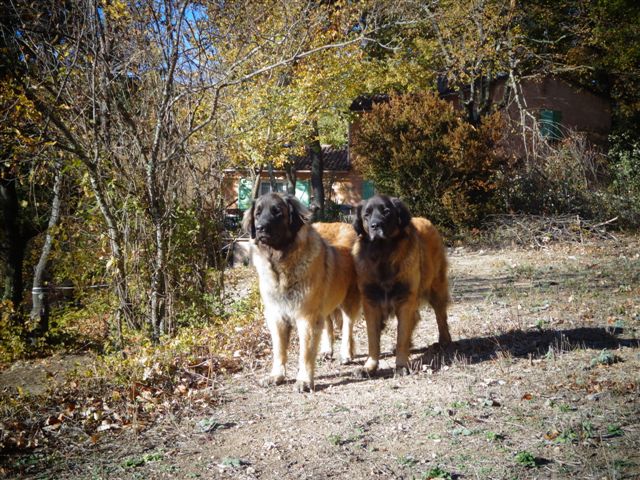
{"x":283,"y":287}
{"x":280,"y":289}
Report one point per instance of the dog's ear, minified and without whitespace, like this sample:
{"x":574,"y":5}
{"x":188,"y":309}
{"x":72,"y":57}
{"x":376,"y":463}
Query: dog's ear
{"x":248,"y":224}
{"x":357,"y":220}
{"x":298,"y":214}
{"x":404,"y":216}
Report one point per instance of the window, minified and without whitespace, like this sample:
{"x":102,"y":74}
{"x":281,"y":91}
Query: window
{"x":265,"y":187}
{"x":550,"y":125}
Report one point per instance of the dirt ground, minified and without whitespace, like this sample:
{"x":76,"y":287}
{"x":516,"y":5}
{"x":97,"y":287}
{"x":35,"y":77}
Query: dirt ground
{"x":543,"y":381}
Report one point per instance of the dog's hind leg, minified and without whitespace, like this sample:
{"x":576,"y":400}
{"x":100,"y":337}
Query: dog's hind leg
{"x":351,"y":310}
{"x":309,"y":331}
{"x":439,"y":300}
{"x":326,"y":339}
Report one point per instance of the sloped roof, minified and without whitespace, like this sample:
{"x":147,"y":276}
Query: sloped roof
{"x":363,"y":103}
{"x":335,"y":158}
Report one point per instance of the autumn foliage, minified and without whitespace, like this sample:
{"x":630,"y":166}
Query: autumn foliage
{"x":421,"y":149}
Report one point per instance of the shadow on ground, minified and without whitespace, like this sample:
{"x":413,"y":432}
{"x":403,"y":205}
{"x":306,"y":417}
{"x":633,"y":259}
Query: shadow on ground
{"x":517,"y":344}
{"x":523,"y":344}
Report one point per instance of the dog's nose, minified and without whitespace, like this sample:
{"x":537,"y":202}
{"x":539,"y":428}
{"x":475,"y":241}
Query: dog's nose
{"x":260,"y":228}
{"x":374,"y":225}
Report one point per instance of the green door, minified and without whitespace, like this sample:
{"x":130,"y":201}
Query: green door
{"x":244,"y":193}
{"x":368,"y":189}
{"x":550,"y":126}
{"x":303,"y":188}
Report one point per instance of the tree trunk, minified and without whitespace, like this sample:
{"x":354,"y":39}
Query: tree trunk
{"x":290,"y":173}
{"x":125,"y":310}
{"x":39,"y":294}
{"x":13,"y":250}
{"x":272,"y":178}
{"x":255,"y":187}
{"x":317,"y":172}
{"x":158,"y":284}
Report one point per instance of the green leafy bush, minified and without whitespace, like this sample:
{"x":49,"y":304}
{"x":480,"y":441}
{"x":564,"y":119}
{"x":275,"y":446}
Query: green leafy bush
{"x":624,"y":157}
{"x":419,"y":148}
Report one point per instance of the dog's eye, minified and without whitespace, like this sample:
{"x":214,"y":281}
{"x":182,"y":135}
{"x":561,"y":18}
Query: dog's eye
{"x":386,"y":211}
{"x":258,"y":210}
{"x":367,"y":213}
{"x":275,"y":211}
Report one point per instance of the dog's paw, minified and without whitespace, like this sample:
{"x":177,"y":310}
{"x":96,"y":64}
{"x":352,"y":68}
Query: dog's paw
{"x":272,"y":380}
{"x":346,"y":360}
{"x":444,"y":340}
{"x":303,"y":386}
{"x":325,"y":356}
{"x":371,"y":366}
{"x":442,"y":345}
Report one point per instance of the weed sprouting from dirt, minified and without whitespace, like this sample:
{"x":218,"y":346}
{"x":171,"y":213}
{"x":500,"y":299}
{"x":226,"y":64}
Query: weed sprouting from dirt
{"x":526,"y":459}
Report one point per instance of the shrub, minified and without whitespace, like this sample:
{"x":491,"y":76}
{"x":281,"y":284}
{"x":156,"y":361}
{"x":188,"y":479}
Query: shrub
{"x":561,"y":178}
{"x":624,"y":158}
{"x":419,"y":148}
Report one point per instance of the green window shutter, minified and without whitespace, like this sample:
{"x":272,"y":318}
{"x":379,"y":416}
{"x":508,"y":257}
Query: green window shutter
{"x":368,"y":190}
{"x":244,"y":193}
{"x":550,"y":124}
{"x":303,"y":188}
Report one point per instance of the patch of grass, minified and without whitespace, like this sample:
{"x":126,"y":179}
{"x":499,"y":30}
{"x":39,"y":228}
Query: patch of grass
{"x":526,"y":459}
{"x":605,"y":357}
{"x":465,"y":432}
{"x":566,"y":436}
{"x":436,"y":473}
{"x":614,"y":431}
{"x":139,"y":461}
{"x":494,"y":437}
{"x":407,"y":461}
{"x":564,"y":408}
{"x":587,"y":429}
{"x":618,"y":464}
{"x":541,"y":324}
{"x":338,"y":440}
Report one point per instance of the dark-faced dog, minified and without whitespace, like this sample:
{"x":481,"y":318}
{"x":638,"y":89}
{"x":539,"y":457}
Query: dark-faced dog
{"x":303,"y":278}
{"x":400,"y":263}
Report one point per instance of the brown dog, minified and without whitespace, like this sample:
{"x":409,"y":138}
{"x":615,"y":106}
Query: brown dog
{"x":303,"y":279}
{"x":400,"y":262}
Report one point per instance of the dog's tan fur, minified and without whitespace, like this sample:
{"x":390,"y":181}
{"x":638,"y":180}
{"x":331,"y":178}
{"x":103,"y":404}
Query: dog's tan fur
{"x":342,"y":237}
{"x":302,"y":285}
{"x":417,"y":259}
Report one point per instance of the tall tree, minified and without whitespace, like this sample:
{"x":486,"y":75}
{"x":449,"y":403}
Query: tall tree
{"x":133,"y":90}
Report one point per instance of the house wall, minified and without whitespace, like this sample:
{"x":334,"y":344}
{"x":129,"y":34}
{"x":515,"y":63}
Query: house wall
{"x":581,"y":110}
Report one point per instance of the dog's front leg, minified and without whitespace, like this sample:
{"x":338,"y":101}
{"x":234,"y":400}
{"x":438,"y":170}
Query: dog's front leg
{"x":309,"y":331}
{"x":373,"y":318}
{"x":408,"y":318}
{"x":280,"y":329}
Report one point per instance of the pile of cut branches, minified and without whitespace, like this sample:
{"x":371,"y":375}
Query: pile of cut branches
{"x":538,"y":231}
